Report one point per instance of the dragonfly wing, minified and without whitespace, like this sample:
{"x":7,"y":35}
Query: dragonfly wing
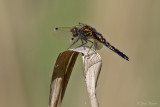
{"x":75,"y":42}
{"x":63,"y":33}
{"x":82,"y":24}
{"x":97,"y":44}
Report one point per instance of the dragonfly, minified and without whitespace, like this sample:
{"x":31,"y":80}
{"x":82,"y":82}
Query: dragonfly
{"x":85,"y":33}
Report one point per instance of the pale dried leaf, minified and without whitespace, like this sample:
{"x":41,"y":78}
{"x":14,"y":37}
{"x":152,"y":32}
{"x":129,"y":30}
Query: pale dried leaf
{"x":92,"y":66}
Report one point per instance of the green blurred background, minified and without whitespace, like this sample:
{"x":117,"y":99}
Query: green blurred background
{"x":28,"y":51}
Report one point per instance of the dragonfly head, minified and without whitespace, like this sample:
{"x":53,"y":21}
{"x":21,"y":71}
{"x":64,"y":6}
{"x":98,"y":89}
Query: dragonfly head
{"x":74,"y":31}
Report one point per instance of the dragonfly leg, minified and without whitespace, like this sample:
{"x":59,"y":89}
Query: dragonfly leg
{"x":74,"y":42}
{"x":83,"y":43}
{"x":90,"y":46}
{"x":95,"y":45}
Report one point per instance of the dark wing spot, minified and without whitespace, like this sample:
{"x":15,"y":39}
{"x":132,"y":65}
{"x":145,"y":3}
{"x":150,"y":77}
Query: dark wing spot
{"x":56,"y":28}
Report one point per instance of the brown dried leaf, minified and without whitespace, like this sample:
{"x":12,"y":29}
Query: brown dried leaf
{"x":61,"y":73}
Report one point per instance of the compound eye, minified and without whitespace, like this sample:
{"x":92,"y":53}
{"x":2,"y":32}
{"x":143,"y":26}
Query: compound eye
{"x":74,"y":32}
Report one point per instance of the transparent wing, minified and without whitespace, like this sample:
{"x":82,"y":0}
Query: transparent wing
{"x":97,"y":45}
{"x":81,"y":24}
{"x":63,"y":33}
{"x":75,"y":42}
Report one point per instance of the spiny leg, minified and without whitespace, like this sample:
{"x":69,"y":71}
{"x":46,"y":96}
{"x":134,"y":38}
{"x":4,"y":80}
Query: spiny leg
{"x":83,"y":43}
{"x":95,"y":45}
{"x":91,"y":45}
{"x":74,"y":42}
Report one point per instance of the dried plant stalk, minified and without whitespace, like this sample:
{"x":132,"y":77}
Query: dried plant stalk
{"x":92,"y":65}
{"x":92,"y":69}
{"x":62,"y":71}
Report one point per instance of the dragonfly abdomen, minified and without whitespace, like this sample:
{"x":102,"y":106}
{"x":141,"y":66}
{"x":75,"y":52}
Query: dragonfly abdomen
{"x":115,"y":50}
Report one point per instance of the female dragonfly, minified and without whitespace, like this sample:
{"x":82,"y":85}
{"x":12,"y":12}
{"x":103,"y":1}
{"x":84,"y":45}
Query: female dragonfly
{"x":85,"y":34}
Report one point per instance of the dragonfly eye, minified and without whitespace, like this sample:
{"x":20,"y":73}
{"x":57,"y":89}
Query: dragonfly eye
{"x":74,"y":31}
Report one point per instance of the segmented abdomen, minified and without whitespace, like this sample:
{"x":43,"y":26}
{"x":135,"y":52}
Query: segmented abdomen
{"x":101,"y":39}
{"x":115,"y":50}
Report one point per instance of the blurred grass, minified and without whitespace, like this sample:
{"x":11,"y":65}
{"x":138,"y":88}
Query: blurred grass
{"x":29,"y":50}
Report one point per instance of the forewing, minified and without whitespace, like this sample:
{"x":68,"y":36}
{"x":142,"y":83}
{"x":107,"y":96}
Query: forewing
{"x":63,"y":33}
{"x":82,"y":24}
